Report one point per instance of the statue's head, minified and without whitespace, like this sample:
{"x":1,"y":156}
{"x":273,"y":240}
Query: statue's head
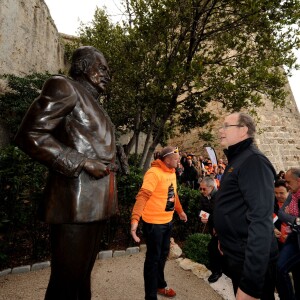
{"x":89,"y":64}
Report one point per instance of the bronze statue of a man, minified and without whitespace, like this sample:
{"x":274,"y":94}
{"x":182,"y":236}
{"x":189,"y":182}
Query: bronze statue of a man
{"x":67,"y":130}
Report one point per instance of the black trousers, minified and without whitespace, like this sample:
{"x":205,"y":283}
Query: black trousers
{"x":74,"y":248}
{"x":289,"y":261}
{"x":215,"y":257}
{"x":157,"y":238}
{"x":234,"y":271}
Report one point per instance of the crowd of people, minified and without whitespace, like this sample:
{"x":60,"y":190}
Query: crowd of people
{"x":287,"y":231}
{"x":251,"y":213}
{"x":192,"y":169}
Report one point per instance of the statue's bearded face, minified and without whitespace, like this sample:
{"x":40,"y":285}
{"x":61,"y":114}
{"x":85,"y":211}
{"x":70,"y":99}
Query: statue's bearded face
{"x":98,"y":73}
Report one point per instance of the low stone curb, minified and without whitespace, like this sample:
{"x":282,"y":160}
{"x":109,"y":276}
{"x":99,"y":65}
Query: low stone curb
{"x":40,"y":266}
{"x":46,"y":264}
{"x":5,"y":272}
{"x":21,"y":269}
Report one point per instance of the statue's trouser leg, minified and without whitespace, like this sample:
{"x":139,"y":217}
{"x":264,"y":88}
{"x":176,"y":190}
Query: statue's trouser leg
{"x":74,"y":249}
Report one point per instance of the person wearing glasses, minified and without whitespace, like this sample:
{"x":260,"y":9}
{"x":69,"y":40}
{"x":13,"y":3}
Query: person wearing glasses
{"x":155,"y":205}
{"x":207,"y":201}
{"x":243,"y":212}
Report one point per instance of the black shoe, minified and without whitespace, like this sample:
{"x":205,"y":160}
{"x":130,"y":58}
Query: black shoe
{"x":214,"y":277}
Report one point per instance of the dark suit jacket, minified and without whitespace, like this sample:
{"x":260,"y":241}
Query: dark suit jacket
{"x":63,"y":127}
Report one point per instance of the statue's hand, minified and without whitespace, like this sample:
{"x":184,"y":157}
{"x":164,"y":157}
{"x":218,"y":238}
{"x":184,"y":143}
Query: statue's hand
{"x":96,"y":168}
{"x":113,"y":167}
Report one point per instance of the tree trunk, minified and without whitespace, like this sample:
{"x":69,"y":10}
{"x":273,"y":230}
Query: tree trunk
{"x":149,"y":156}
{"x":136,"y":132}
{"x":153,"y":145}
{"x":147,"y":142}
{"x":137,"y":135}
{"x":137,"y":128}
{"x":129,"y":146}
{"x":145,"y":150}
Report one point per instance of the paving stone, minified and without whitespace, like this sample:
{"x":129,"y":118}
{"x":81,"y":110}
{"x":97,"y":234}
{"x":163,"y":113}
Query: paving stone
{"x":40,"y":266}
{"x":105,"y":254}
{"x":132,"y":250}
{"x":5,"y":272}
{"x":21,"y":269}
{"x":119,"y":253}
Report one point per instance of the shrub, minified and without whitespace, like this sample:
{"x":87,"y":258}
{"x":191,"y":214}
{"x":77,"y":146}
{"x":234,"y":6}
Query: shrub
{"x":21,"y":93}
{"x":21,"y":184}
{"x":195,"y":248}
{"x":118,"y":227}
{"x":191,"y":205}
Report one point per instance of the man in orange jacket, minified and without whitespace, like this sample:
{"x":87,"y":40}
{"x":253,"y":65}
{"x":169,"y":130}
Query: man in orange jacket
{"x":155,"y":203}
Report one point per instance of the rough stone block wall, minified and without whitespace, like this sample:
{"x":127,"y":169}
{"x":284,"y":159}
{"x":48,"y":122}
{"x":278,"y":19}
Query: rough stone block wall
{"x":280,"y":134}
{"x":29,"y":40}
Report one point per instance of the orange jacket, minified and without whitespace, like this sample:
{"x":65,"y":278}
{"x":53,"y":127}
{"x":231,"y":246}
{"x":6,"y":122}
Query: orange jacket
{"x":158,"y":187}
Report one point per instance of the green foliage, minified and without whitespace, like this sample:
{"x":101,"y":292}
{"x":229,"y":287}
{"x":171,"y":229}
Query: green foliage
{"x":195,"y":248}
{"x":3,"y":257}
{"x":69,"y":49}
{"x":133,"y":160}
{"x":190,"y":201}
{"x":21,"y":93}
{"x":21,"y":184}
{"x":21,"y":179}
{"x":171,"y":58}
{"x":206,"y":136}
{"x":128,"y":187}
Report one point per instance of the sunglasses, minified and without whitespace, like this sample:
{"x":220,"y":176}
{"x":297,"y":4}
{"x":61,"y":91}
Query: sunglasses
{"x":172,"y":152}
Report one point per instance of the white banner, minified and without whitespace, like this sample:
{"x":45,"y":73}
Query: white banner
{"x":212,"y":155}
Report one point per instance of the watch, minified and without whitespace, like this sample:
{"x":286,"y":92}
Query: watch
{"x":297,"y":221}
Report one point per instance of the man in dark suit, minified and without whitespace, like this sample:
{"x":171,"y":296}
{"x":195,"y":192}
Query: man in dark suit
{"x":67,"y":130}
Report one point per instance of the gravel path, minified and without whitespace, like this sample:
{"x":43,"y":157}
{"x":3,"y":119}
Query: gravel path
{"x":118,"y":278}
